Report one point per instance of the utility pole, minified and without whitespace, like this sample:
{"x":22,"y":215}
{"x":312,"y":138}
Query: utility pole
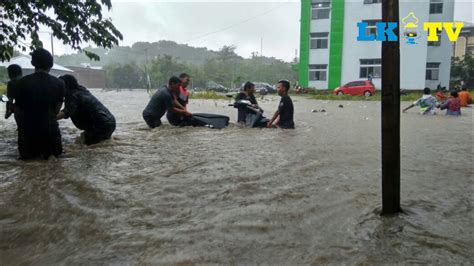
{"x":51,"y":38}
{"x":261,"y":47}
{"x":147,"y":76}
{"x":391,"y":114}
{"x":52,"y":44}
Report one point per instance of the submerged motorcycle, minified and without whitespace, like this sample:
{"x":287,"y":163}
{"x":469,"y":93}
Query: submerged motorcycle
{"x":253,"y":116}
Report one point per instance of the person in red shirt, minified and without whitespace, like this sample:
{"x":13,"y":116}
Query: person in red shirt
{"x":440,"y":96}
{"x":180,"y":101}
{"x":465,"y":97}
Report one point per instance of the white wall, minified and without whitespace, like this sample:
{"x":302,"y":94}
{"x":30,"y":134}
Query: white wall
{"x":413,"y":56}
{"x":444,"y":52}
{"x":353,"y":50}
{"x":320,"y":56}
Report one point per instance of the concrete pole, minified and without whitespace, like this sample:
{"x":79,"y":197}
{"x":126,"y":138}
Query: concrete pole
{"x":391,"y":115}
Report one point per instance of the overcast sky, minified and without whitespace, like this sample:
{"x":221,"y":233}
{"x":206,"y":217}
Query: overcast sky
{"x":213,"y":24}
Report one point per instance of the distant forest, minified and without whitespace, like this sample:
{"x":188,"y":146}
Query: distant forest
{"x":127,"y":67}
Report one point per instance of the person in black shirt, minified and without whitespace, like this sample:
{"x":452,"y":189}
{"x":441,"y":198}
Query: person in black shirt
{"x":86,"y":112}
{"x":285,"y":111}
{"x":38,"y":99}
{"x":14,"y":73}
{"x":161,"y":102}
{"x":249,"y":95}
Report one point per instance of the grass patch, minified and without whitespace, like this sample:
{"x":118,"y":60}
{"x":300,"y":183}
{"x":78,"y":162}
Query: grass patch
{"x":3,"y":89}
{"x":410,"y":97}
{"x":208,"y":95}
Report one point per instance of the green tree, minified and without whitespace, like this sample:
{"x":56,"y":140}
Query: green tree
{"x":463,"y":69}
{"x":73,"y":22}
{"x":128,"y":76}
{"x":164,"y":67}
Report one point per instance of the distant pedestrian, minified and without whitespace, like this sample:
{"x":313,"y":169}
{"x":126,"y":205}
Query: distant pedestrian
{"x":452,"y":105}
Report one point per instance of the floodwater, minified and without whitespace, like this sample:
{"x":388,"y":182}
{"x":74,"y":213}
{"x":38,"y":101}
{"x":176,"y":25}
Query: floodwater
{"x":184,"y":196}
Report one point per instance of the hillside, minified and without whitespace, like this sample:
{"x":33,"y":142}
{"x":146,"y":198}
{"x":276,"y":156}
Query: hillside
{"x":138,"y":52}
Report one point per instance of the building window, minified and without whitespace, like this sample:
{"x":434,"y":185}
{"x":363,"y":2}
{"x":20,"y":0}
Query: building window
{"x":436,"y":6}
{"x":319,"y":40}
{"x":372,"y":1}
{"x":470,"y":45}
{"x":372,"y":67}
{"x":321,"y":9}
{"x":432,"y":71}
{"x":318,"y":72}
{"x":372,"y":27}
{"x":438,"y":43}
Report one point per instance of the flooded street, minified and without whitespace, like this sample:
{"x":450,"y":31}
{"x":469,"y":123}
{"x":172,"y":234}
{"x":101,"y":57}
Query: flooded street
{"x":249,"y":196}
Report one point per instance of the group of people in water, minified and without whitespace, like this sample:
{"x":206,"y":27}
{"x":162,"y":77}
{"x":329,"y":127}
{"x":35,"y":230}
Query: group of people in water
{"x":36,"y":100}
{"x":428,"y":103}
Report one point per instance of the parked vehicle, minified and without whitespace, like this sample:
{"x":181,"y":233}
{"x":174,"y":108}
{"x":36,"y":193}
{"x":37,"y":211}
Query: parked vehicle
{"x":268,"y":87}
{"x":263,"y":88}
{"x":361,"y":87}
{"x":212,"y":86}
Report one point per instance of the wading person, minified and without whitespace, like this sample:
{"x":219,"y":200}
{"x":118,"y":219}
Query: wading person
{"x":440,"y":96}
{"x":38,"y":99}
{"x":283,"y":117}
{"x":14,"y":74}
{"x":247,"y":94}
{"x":427,"y":103}
{"x":86,"y":112}
{"x":161,"y":102}
{"x":465,"y":97}
{"x":452,"y":105}
{"x":180,"y":101}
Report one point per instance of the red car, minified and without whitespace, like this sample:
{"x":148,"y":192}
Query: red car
{"x":361,"y":87}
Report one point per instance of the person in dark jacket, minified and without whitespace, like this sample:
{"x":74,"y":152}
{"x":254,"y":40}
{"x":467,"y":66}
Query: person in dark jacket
{"x":247,"y":94}
{"x":86,"y":112}
{"x":38,"y":99}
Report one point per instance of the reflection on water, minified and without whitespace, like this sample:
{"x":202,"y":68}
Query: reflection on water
{"x":197,"y":195}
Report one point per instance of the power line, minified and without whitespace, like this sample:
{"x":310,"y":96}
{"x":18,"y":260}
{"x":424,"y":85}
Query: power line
{"x":237,"y":24}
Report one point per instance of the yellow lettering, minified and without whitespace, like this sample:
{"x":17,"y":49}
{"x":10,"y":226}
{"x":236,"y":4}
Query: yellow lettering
{"x":453,"y":35}
{"x":433,"y":28}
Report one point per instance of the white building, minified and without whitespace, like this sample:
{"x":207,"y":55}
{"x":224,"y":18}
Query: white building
{"x":331,"y":55}
{"x":27,"y":68}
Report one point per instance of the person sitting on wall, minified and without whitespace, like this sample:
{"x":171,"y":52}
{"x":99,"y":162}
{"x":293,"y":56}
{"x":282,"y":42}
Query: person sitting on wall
{"x":86,"y":112}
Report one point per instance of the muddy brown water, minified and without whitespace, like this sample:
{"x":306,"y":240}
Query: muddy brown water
{"x":247,"y":196}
